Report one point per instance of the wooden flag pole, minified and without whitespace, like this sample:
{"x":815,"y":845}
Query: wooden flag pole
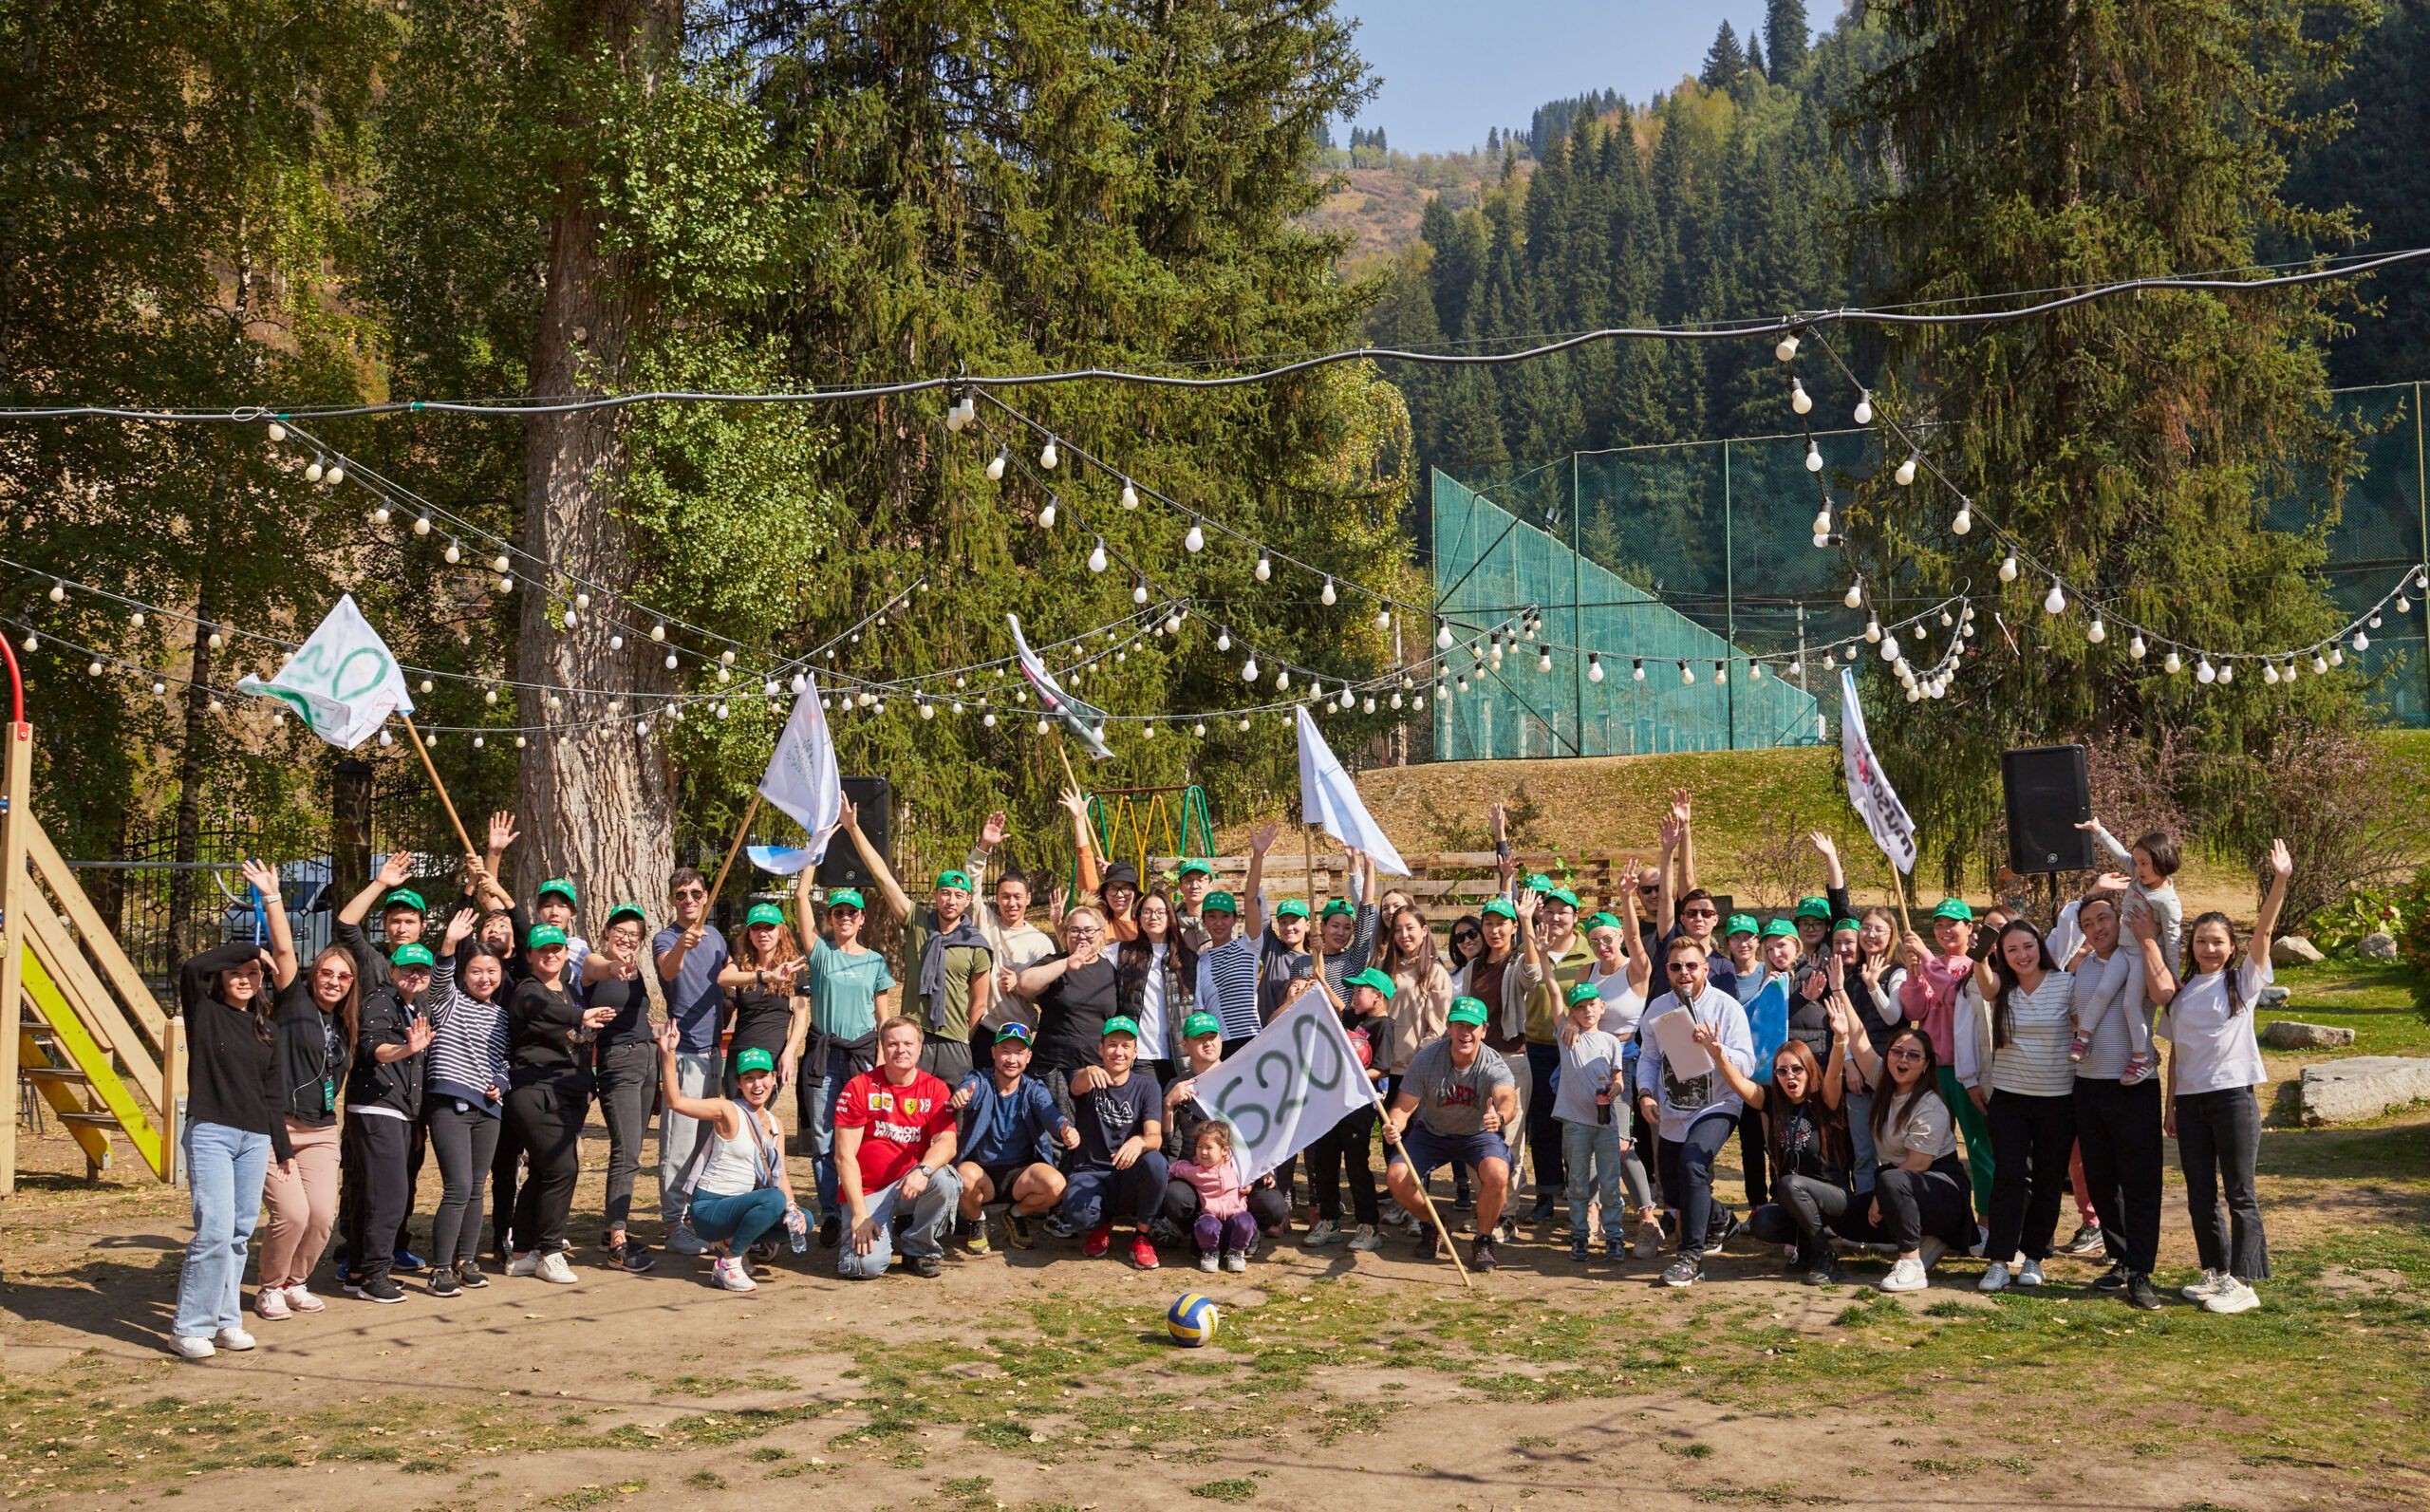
{"x":440,"y":787}
{"x":1441,"y":1232}
{"x":741,"y":832}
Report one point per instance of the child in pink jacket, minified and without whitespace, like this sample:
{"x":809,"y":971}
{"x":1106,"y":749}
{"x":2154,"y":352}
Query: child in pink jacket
{"x":1224,"y":1228}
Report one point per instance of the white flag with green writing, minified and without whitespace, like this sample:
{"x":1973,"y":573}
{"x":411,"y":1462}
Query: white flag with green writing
{"x":343,"y":681}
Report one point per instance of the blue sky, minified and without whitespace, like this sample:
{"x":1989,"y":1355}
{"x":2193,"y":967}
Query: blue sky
{"x":1450,"y":70}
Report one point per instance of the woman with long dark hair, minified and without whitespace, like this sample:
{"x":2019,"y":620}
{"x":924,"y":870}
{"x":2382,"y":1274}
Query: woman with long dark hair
{"x":2031,"y":1106}
{"x":1922,"y":1203}
{"x":464,"y":1098}
{"x":317,"y":1018}
{"x":236,"y":1122}
{"x":550,"y":1066}
{"x":1806,"y":1136}
{"x":1465,"y":943}
{"x":2214,"y":1065}
{"x":1156,"y":981}
{"x":1871,"y":977}
{"x":762,"y":962}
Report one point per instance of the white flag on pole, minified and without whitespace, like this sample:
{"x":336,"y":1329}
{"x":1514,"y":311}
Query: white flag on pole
{"x":1283,"y":1090}
{"x":1328,"y":797}
{"x":802,"y":779}
{"x":343,"y":681}
{"x":1868,"y":788}
{"x":1085,"y":721}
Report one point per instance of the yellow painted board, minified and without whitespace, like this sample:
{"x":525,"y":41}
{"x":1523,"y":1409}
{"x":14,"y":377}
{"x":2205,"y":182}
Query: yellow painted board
{"x":62,"y":1099}
{"x":85,"y":1054}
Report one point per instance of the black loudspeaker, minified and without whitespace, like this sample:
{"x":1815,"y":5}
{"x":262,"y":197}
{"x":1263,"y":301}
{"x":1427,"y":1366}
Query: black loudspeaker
{"x":2050,"y":792}
{"x":874,"y":798}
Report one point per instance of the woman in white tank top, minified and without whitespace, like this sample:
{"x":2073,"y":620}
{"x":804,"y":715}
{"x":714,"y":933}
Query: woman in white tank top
{"x":741,"y":1188}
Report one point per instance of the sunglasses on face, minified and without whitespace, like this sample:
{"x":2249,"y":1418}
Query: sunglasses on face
{"x":1700,"y":913}
{"x":1648,"y":888}
{"x":1906,"y":1055}
{"x":693,"y":892}
{"x":1685,"y":965}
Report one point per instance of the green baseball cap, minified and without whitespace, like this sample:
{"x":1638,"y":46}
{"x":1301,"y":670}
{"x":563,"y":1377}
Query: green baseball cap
{"x":1955,"y":908}
{"x":626,"y":910}
{"x":1337,"y":908}
{"x":1373,"y":977}
{"x":1201,"y":1023}
{"x":1814,"y":907}
{"x":1194,"y":867}
{"x":1603,"y":920}
{"x":1120,"y":1024}
{"x":1562,"y":895}
{"x":1466,"y":1011}
{"x":404,"y":898}
{"x":764,"y":913}
{"x":543,"y":936}
{"x":1780,"y":929}
{"x":1500,"y":907}
{"x":1741,"y":923}
{"x":844,"y":898}
{"x":1538,"y":882}
{"x":754,"y":1059}
{"x":1291,"y":909}
{"x":1583,"y":992}
{"x":1219,"y":903}
{"x":1015,"y":1031}
{"x":954,"y":879}
{"x":1849,"y":925}
{"x":411,"y":955}
{"x":561,"y":887}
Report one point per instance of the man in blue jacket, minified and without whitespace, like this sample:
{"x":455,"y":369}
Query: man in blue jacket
{"x":1011,"y":1126}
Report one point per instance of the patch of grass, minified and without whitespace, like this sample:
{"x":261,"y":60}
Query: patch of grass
{"x":2373,"y":998}
{"x":699,"y":1386}
{"x":705,"y":1480}
{"x":1233,"y":1491}
{"x":1778,"y":1494}
{"x":768,"y":1454}
{"x":585,"y":1496}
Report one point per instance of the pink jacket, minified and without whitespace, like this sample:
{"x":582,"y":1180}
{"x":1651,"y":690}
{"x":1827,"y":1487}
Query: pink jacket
{"x":1220,"y":1193}
{"x":1930,"y":998}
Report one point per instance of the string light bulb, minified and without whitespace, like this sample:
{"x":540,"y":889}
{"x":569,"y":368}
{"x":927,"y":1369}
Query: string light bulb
{"x":1905,"y":473}
{"x":2172,"y":663}
{"x":313,"y":470}
{"x":1864,"y":407}
{"x":1046,"y":515}
{"x":2319,"y":664}
{"x":1637,"y":669}
{"x":1384,"y":620}
{"x":1195,"y":541}
{"x":1139,"y":593}
{"x":996,"y":465}
{"x":2361,"y":642}
{"x":1854,"y":597}
{"x":422,"y":525}
{"x":1544,"y":660}
{"x":2136,"y":647}
{"x":58,"y":593}
{"x":2269,"y":673}
{"x":1872,"y":629}
{"x":1798,"y":400}
{"x":1822,"y":522}
{"x":1594,"y":672}
{"x":278,"y":432}
{"x":380,"y":513}
{"x":1097,"y":558}
{"x":335,"y":475}
{"x":1327,"y":597}
{"x":1813,"y":456}
{"x":2056,"y":599}
{"x":2096,"y":633}
{"x":1754,"y":671}
{"x":1265,"y":567}
{"x":1687,"y":674}
{"x":136,"y":620}
{"x":2007,"y":567}
{"x":1785,"y":348}
{"x":1964,"y":522}
{"x":1248,"y":670}
{"x":1048,"y":456}
{"x":1222,"y":640}
{"x":1720,"y":673}
{"x":2205,"y":672}
{"x":2227,"y":673}
{"x":1129,"y":495}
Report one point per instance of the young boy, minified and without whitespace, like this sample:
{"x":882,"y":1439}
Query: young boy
{"x":2152,"y":862}
{"x":1592,"y":1135}
{"x":1008,"y":1151}
{"x":1119,"y":1160}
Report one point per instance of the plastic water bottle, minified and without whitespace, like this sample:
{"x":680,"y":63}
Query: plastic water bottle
{"x":797,"y":1231}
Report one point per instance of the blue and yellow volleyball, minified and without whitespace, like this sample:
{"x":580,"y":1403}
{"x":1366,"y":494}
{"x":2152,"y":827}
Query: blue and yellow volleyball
{"x":1191,"y":1319}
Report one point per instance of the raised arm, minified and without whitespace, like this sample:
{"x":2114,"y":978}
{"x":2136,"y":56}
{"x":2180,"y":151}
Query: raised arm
{"x":1749,"y":1092}
{"x":1504,"y":867}
{"x":2118,"y":854}
{"x":1253,"y":906}
{"x":282,"y":935}
{"x":1684,"y":808}
{"x":888,"y":888}
{"x":982,"y":852}
{"x":717,"y":1111}
{"x":390,"y":876}
{"x":1666,"y":915}
{"x":2282,"y":866}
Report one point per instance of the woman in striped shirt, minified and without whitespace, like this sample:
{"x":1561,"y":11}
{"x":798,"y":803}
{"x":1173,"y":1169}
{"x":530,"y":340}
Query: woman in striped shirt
{"x":2031,"y":1110}
{"x":466,"y":1080}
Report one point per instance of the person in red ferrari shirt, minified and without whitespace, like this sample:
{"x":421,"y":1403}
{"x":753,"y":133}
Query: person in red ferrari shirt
{"x":894,"y":1148}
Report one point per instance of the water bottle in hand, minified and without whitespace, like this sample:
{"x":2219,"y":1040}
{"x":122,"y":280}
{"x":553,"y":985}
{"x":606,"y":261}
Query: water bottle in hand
{"x":797,"y":1231}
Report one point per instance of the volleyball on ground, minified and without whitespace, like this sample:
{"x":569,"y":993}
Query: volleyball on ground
{"x":1191,"y":1319}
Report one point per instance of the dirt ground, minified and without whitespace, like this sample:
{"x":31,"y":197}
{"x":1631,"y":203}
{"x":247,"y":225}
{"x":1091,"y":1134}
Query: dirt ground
{"x":644,"y":1361}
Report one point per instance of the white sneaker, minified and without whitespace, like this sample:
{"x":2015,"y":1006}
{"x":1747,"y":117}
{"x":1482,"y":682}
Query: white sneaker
{"x":269,"y":1304}
{"x":1323,"y":1231}
{"x":193,"y":1349}
{"x":681,"y":1241}
{"x":301,"y":1299}
{"x":2029,"y":1274}
{"x":1906,"y":1276}
{"x":2211,"y":1283}
{"x":1930,"y":1251}
{"x":732,"y":1274}
{"x":1366,"y":1239}
{"x":1995,"y":1277}
{"x":1208,"y":1260}
{"x":527,"y":1263}
{"x":232,"y":1339}
{"x":553,"y":1267}
{"x":2235,"y":1296}
{"x":1982,"y":1240}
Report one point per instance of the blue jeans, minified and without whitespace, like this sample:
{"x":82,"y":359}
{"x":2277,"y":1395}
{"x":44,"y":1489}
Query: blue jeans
{"x":1859,"y":1102}
{"x":923,"y":1232}
{"x":225,"y":1168}
{"x":740,"y":1218}
{"x":825,"y":1089}
{"x":1098,"y":1194}
{"x":1596,"y":1146}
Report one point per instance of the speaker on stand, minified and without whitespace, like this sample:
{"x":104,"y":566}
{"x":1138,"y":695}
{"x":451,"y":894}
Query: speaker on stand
{"x":874,"y":797}
{"x":2048,"y":791}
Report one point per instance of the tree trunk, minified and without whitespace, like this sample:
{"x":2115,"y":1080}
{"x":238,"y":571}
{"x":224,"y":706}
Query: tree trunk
{"x":595,"y":804}
{"x":185,"y":882}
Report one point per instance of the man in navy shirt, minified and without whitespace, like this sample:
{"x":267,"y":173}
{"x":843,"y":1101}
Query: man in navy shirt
{"x":1120,"y":1162}
{"x":690,"y":956}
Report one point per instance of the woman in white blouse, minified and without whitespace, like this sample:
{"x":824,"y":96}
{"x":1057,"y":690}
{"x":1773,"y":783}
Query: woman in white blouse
{"x":2213,"y":1064}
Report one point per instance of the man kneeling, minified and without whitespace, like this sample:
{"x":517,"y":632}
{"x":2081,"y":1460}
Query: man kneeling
{"x":1463,"y":1095}
{"x":894,"y":1145}
{"x":1014,"y":1128}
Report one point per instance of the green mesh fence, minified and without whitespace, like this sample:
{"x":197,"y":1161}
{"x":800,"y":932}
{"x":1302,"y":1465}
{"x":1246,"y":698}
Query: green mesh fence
{"x":1703,"y":550}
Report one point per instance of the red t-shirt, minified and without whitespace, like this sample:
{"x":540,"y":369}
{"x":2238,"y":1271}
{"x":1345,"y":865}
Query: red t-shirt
{"x":897,"y":1123}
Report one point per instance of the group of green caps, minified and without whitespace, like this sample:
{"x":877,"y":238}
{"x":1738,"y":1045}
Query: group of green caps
{"x":539,"y":937}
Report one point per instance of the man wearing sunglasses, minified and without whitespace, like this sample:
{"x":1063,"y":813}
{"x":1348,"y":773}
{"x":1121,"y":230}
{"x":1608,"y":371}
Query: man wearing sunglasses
{"x":1690,"y":1104}
{"x":689,"y":954}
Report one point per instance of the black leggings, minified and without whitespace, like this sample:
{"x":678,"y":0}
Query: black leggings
{"x":381,"y":1152}
{"x":1804,"y":1211}
{"x":1348,"y":1143}
{"x":1754,"y":1156}
{"x":464,"y":1143}
{"x":1916,"y":1203}
{"x":546,"y":1117}
{"x":2030,"y":1141}
{"x":506,"y":1178}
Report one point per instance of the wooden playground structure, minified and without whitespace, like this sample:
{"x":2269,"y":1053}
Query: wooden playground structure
{"x":86,"y":1040}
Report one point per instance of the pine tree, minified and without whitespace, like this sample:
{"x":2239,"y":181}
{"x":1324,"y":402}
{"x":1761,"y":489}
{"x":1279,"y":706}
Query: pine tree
{"x":1786,"y":38}
{"x":1724,"y":61}
{"x":1754,"y":55}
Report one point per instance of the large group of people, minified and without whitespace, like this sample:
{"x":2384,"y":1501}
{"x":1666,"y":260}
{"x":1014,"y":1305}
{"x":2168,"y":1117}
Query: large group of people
{"x":1005,"y":1070}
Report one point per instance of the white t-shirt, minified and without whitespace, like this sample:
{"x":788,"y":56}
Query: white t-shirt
{"x":1151,"y":1006}
{"x":2216,"y":1050}
{"x":1624,"y":1005}
{"x":1926,"y":1128}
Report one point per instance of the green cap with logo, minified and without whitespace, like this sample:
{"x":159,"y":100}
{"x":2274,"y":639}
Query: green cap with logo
{"x":753,"y":1058}
{"x":1780,"y":929}
{"x":1466,"y":1011}
{"x":1849,"y":925}
{"x":1291,"y":909}
{"x":1814,"y":907}
{"x":1562,"y":895}
{"x":764,"y":913}
{"x":1500,"y":908}
{"x":411,"y":955}
{"x":954,"y":879}
{"x":1338,"y":909}
{"x":1194,"y":867}
{"x":1957,"y":909}
{"x":844,"y":898}
{"x":1372,"y":978}
{"x":1742,"y":923}
{"x":1121,"y":1024}
{"x":1219,"y":903}
{"x":1583,"y":992}
{"x":561,"y":887}
{"x":627,"y":910}
{"x":1201,"y":1023}
{"x":543,"y":936}
{"x":403,"y":898}
{"x":1603,"y":920}
{"x":1538,"y":882}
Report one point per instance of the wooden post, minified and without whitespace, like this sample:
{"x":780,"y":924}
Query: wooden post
{"x":437,"y":786}
{"x":17,"y":895}
{"x":743,"y":831}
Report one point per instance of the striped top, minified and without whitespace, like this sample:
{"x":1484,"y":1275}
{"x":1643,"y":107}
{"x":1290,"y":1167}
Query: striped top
{"x":1227,"y":984}
{"x":2034,"y":1062}
{"x":468,"y":1042}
